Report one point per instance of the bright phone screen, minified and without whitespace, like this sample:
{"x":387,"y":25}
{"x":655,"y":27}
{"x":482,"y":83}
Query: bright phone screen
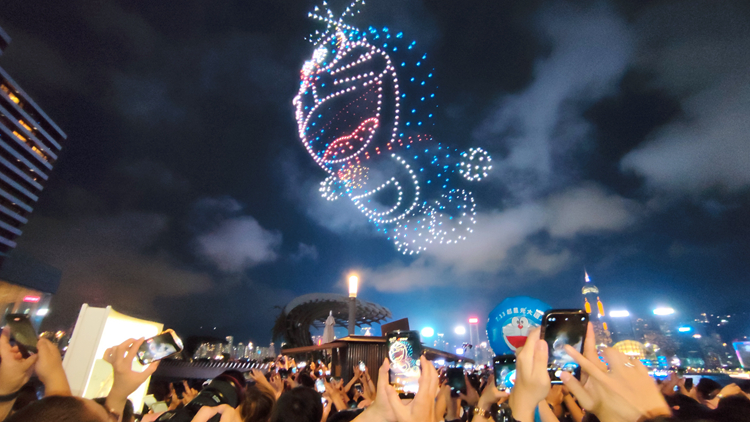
{"x":159,"y":347}
{"x":561,"y":328}
{"x":404,"y":350}
{"x":505,"y":371}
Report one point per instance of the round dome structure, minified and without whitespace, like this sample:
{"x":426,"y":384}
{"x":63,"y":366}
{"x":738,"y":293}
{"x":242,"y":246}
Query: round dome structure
{"x":631,"y":348}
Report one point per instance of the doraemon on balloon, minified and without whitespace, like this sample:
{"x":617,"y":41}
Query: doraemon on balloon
{"x":363,"y":107}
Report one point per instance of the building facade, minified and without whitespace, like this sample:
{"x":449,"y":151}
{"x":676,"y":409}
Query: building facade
{"x":593,"y":305}
{"x":29,"y":146}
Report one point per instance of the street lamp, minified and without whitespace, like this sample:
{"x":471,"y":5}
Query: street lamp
{"x":353,"y":284}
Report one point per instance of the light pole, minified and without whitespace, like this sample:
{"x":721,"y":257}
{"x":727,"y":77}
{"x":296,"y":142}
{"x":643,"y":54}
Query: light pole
{"x":353,"y":282}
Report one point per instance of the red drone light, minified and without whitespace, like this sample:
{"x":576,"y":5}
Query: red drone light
{"x":473,"y":320}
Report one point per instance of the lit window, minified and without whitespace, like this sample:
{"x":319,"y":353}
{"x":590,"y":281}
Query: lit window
{"x":25,"y":125}
{"x":13,"y":98}
{"x":18,"y":135}
{"x":38,"y":151}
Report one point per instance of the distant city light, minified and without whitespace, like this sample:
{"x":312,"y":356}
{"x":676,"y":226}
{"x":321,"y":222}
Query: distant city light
{"x":696,"y":336}
{"x":42,"y":312}
{"x":460,"y":330}
{"x":619,"y":314}
{"x":663,"y":311}
{"x":427,"y":332}
{"x":460,"y":351}
{"x":473,"y":320}
{"x":684,"y":329}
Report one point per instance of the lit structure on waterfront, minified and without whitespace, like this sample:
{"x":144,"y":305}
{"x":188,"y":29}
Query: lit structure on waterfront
{"x":595,"y":308}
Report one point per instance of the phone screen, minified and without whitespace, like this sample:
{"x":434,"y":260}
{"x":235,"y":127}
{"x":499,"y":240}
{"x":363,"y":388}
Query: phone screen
{"x":159,"y":347}
{"x":22,"y":333}
{"x":456,"y":380}
{"x":362,"y":366}
{"x":505,"y":371}
{"x":320,"y":385}
{"x":404,"y":350}
{"x":561,"y":327}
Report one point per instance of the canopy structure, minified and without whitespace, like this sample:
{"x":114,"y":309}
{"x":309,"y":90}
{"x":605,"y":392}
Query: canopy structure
{"x":311,"y":310}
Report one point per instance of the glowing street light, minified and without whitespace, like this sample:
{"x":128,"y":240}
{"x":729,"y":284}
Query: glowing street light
{"x":427,"y":332}
{"x":663,"y":311}
{"x":353,"y":284}
{"x":619,"y":314}
{"x":473,"y":320}
{"x":460,"y":330}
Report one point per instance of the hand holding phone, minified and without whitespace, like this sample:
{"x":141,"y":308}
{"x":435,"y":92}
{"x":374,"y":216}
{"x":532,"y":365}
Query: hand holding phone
{"x":404,"y":351}
{"x":562,"y":327}
{"x":504,"y":368}
{"x":456,"y":381}
{"x":159,"y":347}
{"x":22,"y":334}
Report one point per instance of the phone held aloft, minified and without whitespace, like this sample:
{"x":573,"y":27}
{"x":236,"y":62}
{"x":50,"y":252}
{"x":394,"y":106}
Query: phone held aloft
{"x":22,"y":333}
{"x":504,"y":368}
{"x":561,"y":327}
{"x":159,"y":347}
{"x":404,"y":351}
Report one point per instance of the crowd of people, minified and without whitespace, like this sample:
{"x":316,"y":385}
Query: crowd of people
{"x":611,"y":388}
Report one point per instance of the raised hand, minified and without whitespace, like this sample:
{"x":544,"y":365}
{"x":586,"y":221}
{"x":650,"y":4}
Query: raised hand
{"x":422,"y":408}
{"x":126,"y":380}
{"x":471,"y":397}
{"x":625,"y":393}
{"x":380,"y":410}
{"x":491,"y":395}
{"x":189,"y":393}
{"x":49,"y":369}
{"x":15,"y":371}
{"x":532,"y":380}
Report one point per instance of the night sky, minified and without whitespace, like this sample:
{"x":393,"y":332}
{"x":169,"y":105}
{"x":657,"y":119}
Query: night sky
{"x":619,"y":131}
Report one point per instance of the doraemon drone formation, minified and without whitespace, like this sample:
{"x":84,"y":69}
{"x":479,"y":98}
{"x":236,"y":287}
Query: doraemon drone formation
{"x":364,"y":104}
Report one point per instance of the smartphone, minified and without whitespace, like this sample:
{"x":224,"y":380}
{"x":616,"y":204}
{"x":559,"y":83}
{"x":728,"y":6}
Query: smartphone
{"x":294,"y":369}
{"x":561,"y":327}
{"x":404,"y":350}
{"x":362,"y":366}
{"x":283,"y":373}
{"x":504,"y":367}
{"x":159,"y":347}
{"x":688,"y":384}
{"x":320,"y":385}
{"x":358,"y":387}
{"x":456,"y":381}
{"x":22,"y":333}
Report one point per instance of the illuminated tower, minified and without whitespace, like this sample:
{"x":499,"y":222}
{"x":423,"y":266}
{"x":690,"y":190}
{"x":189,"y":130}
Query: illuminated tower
{"x":593,"y":305}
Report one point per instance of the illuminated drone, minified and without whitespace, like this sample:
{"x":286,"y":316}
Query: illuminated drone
{"x":364,"y":104}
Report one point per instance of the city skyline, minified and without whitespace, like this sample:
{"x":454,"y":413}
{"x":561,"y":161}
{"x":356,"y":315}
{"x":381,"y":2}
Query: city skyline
{"x":617,"y":133}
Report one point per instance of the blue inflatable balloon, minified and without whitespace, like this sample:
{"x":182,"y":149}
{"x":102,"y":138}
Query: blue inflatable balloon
{"x":509,"y":323}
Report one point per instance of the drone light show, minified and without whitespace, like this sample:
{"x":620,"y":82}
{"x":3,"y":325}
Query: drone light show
{"x":364,"y":110}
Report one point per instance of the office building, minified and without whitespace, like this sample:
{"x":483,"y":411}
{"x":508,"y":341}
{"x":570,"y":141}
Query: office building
{"x":29,"y":146}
